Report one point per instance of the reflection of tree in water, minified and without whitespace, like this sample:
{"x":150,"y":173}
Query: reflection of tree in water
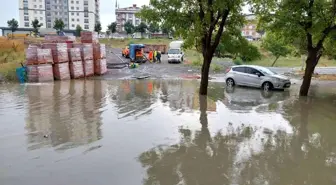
{"x":198,"y":158}
{"x":70,"y":116}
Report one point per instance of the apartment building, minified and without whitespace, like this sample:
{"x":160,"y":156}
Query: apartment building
{"x":73,"y":12}
{"x":126,"y":14}
{"x":250,"y":28}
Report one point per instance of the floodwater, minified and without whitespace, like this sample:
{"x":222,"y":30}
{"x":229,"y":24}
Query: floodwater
{"x":161,"y":132}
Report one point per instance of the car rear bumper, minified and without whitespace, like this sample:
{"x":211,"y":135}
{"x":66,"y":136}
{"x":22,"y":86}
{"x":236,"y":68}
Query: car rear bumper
{"x":174,"y":60}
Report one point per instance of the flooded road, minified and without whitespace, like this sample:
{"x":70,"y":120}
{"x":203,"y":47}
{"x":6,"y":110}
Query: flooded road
{"x":129,"y":132}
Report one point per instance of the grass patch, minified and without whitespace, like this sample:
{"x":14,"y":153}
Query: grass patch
{"x":11,"y":55}
{"x":290,"y":62}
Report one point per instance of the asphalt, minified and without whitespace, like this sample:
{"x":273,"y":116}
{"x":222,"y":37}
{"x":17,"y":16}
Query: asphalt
{"x":171,"y":71}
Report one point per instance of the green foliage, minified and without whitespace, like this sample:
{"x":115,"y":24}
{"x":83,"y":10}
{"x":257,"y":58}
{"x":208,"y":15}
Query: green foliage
{"x":59,"y":25}
{"x":97,"y":27}
{"x":108,"y":33}
{"x":233,"y":45}
{"x":193,"y":23}
{"x":276,"y":45}
{"x":36,"y":25}
{"x":250,"y":53}
{"x":142,"y":27}
{"x":216,"y":67}
{"x":153,"y":28}
{"x":13,"y":25}
{"x":129,"y":27}
{"x":112,"y":27}
{"x":78,"y":30}
{"x":303,"y":24}
{"x":238,"y":61}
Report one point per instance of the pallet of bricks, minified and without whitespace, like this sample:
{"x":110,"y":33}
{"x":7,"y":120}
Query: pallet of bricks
{"x":61,"y":59}
{"x":99,"y":51}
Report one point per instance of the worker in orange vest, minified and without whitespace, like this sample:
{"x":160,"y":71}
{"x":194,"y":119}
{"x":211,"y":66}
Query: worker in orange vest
{"x":150,"y":55}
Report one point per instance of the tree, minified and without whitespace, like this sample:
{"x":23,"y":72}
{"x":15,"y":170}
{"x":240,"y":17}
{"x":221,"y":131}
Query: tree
{"x":59,"y":25}
{"x":97,"y":27}
{"x":198,"y":22}
{"x":13,"y":25}
{"x":234,"y":45}
{"x":129,"y":27}
{"x":36,"y":25}
{"x":78,"y":30}
{"x":308,"y":23}
{"x":276,"y":46}
{"x":108,"y":33}
{"x":154,"y":27}
{"x":142,"y":27}
{"x":112,"y":27}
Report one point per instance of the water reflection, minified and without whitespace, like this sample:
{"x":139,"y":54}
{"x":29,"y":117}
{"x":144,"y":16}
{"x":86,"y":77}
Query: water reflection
{"x":163,"y":132}
{"x":65,"y":115}
{"x":247,"y":154}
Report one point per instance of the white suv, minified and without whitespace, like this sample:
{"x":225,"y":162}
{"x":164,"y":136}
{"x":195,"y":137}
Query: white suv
{"x":256,"y":76}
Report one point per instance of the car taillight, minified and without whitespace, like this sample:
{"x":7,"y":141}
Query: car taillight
{"x":227,"y":70}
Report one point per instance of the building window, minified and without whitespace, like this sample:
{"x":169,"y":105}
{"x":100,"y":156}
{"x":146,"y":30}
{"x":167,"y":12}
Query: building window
{"x":25,"y":12}
{"x":73,"y":25}
{"x":35,"y":11}
{"x":72,"y":13}
{"x":66,"y":19}
{"x":72,"y":2}
{"x":86,"y":3}
{"x":35,"y":6}
{"x":86,"y":14}
{"x":78,"y":20}
{"x":77,"y":2}
{"x":26,"y":18}
{"x":48,"y":19}
{"x":86,"y":20}
{"x":48,"y":7}
{"x":41,"y":18}
{"x":49,"y":25}
{"x":65,"y":13}
{"x":86,"y":26}
{"x":77,"y":8}
{"x":26,"y":24}
{"x":77,"y":14}
{"x":72,"y":8}
{"x":40,"y":6}
{"x":86,"y":9}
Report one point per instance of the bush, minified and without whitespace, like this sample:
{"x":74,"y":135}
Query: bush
{"x":238,"y":61}
{"x":250,"y":53}
{"x":216,"y":67}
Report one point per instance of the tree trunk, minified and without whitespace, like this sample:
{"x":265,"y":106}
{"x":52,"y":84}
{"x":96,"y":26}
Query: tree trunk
{"x":205,"y":75}
{"x":275,"y":61}
{"x":311,"y":62}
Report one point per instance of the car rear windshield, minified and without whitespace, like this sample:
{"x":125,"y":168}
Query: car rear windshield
{"x":174,"y":51}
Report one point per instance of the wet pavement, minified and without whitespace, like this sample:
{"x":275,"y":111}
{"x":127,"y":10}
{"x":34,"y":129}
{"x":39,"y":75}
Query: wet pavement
{"x":133,"y":132}
{"x":173,"y":71}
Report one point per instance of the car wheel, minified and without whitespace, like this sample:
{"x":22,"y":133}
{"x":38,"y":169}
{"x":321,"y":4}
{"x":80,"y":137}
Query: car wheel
{"x":230,"y":82}
{"x":266,"y":86}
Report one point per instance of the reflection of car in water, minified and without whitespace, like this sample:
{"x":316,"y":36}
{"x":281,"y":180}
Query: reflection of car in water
{"x":239,"y":98}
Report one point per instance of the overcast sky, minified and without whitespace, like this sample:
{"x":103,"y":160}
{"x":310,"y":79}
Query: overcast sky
{"x":10,"y":9}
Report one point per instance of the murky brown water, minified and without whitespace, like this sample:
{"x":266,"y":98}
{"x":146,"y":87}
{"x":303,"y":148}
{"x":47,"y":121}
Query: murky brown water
{"x":162,"y":132}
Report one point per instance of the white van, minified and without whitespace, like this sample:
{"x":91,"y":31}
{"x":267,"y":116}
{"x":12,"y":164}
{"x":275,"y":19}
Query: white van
{"x":175,"y":53}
